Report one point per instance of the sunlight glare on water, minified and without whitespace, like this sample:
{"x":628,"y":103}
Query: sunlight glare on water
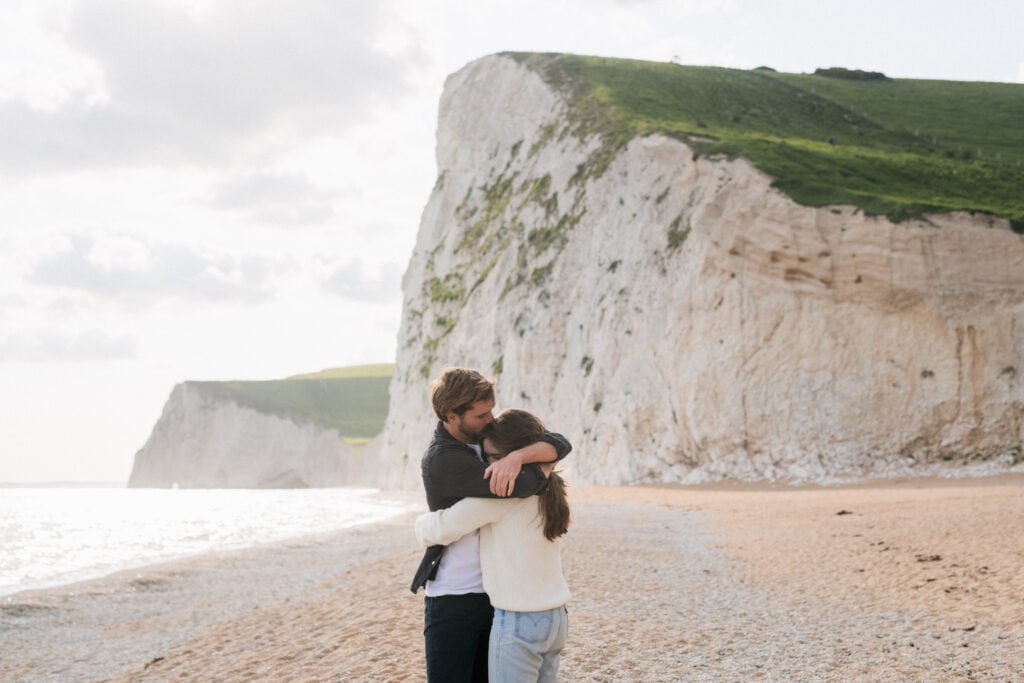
{"x":52,"y":536}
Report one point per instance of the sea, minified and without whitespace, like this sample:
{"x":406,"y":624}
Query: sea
{"x":50,"y":536}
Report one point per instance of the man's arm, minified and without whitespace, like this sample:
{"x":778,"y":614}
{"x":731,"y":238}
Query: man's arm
{"x":457,"y":474}
{"x":442,"y":527}
{"x":546,"y":452}
{"x":560,"y":443}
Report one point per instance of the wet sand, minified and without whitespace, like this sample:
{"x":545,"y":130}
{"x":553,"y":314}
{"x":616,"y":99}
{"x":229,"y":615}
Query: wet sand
{"x":898,"y":580}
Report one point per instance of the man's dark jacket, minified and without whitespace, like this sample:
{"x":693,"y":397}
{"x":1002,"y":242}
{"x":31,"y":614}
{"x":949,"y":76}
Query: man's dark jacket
{"x":453,"y":471}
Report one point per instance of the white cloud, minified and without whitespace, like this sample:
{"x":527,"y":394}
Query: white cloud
{"x":37,"y":66}
{"x":184,"y":86}
{"x":280,"y":198}
{"x":1020,"y":73}
{"x":119,"y":252}
{"x":45,"y":345}
{"x":133,"y":268}
{"x":360,"y":281}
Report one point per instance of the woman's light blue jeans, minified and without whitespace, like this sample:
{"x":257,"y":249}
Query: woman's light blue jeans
{"x":526,"y":646}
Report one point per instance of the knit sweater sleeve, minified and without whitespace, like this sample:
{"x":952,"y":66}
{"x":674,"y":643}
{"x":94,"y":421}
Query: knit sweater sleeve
{"x":442,"y":527}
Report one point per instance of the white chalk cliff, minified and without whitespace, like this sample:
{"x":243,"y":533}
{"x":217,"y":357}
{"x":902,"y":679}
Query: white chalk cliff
{"x":205,"y":441}
{"x":681,"y":320}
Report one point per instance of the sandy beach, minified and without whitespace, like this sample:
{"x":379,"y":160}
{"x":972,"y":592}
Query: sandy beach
{"x":906,"y":580}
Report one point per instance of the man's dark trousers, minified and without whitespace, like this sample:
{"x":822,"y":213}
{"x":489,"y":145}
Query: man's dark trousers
{"x":456,"y":629}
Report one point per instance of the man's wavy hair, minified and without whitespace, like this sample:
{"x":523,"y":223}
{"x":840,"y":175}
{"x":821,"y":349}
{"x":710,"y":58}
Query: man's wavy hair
{"x":456,"y":390}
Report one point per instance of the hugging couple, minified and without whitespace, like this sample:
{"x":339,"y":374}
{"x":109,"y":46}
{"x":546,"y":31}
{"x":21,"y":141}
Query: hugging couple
{"x":495,"y":594}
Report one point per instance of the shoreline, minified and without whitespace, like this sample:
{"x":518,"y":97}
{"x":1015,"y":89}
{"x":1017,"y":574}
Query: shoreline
{"x":412,"y":499}
{"x":123,"y":621}
{"x":917,"y":580}
{"x":400,"y":501}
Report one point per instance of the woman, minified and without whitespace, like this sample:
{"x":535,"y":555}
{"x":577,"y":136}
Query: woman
{"x":520,"y":544}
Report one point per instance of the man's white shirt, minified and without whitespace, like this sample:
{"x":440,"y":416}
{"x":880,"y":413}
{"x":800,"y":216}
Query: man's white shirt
{"x":459,"y":572}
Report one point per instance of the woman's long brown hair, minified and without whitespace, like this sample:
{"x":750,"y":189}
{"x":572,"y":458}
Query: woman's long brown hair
{"x":514,"y":429}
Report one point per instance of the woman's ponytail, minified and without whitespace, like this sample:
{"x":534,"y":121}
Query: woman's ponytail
{"x":554,"y":506}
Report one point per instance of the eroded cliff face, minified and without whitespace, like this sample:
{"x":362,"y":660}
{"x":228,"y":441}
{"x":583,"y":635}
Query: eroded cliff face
{"x":201,"y":441}
{"x":681,"y":320}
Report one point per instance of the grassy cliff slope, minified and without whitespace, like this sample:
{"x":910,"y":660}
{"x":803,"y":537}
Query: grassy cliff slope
{"x":353,"y":400}
{"x":896,"y":147}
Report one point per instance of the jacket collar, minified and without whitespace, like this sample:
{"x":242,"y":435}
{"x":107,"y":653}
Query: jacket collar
{"x":441,"y":435}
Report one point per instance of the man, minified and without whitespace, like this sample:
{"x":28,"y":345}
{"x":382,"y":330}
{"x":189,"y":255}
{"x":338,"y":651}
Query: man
{"x":457,"y":613}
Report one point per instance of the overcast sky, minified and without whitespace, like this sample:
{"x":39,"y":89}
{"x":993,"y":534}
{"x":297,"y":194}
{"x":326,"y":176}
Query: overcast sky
{"x":231,"y":189}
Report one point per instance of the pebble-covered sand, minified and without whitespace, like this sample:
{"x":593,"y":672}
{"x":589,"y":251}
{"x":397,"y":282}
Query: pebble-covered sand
{"x":912,"y":580}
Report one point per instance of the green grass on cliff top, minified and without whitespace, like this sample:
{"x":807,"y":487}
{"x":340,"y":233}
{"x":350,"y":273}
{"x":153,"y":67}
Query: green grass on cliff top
{"x":375,"y":370}
{"x":902,"y":147}
{"x":353,"y":400}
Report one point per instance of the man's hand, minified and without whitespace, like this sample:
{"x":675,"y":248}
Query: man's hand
{"x":503,"y":473}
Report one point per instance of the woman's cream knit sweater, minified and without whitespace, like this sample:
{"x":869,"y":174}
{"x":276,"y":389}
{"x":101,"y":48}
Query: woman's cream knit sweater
{"x":522,"y":570}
